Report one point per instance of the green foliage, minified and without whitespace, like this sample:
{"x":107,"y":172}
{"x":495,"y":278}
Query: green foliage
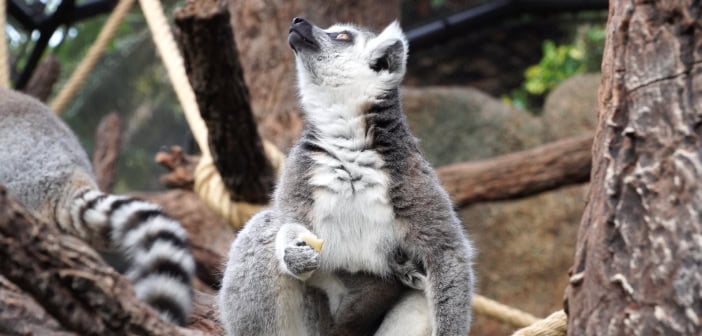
{"x":558,"y":63}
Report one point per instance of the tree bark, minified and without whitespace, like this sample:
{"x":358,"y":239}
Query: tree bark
{"x":44,"y":78}
{"x":212,"y":63}
{"x":107,"y":146}
{"x":22,"y":315}
{"x":519,"y":174}
{"x":69,"y":280}
{"x":638,"y":261}
{"x":261,"y":30}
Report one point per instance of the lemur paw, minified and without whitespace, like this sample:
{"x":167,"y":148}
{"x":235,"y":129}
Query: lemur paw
{"x":301,"y":259}
{"x":296,"y":256}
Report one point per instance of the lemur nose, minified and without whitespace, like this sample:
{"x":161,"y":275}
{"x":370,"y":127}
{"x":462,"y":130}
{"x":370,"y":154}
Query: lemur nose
{"x":297,"y":20}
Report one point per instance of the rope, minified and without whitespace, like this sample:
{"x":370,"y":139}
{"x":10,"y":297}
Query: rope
{"x":77,"y":79}
{"x":501,"y":312}
{"x":210,"y":188}
{"x":4,"y":64}
{"x":208,"y":182}
{"x":172,"y":60}
{"x":555,"y":324}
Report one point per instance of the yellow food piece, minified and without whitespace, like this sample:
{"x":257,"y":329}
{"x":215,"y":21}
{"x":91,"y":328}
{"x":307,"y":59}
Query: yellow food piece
{"x":312,"y":240}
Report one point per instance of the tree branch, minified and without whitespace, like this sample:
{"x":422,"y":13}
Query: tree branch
{"x":519,"y":174}
{"x":44,"y":78}
{"x":212,"y":63}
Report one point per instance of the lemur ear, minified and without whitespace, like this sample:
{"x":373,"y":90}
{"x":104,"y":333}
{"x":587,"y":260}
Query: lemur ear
{"x":389,"y":50}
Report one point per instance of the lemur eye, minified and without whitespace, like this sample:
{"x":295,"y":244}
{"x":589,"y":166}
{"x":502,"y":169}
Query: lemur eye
{"x":342,"y":36}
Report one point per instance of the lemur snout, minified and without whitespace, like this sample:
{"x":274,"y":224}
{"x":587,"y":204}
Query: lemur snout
{"x":300,"y":35}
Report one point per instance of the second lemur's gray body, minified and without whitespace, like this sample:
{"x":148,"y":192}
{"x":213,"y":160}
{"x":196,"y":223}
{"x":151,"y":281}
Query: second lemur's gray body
{"x":45,"y":168}
{"x":357,"y":180}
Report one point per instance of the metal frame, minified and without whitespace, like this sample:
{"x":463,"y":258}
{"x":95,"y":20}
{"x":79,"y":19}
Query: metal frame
{"x":33,"y":18}
{"x":433,"y":33}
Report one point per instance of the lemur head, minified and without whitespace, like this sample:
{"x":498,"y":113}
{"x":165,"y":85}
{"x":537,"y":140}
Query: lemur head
{"x":346,"y":61}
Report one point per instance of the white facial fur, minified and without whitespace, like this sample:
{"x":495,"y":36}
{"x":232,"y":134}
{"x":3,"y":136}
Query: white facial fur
{"x":340,"y":75}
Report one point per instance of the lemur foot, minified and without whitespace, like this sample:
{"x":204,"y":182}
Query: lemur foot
{"x":410,"y":272}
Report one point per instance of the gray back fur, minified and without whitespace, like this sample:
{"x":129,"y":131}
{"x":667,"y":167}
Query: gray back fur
{"x":40,"y":155}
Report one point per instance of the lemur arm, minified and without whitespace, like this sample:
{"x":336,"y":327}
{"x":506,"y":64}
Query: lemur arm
{"x":449,"y":288}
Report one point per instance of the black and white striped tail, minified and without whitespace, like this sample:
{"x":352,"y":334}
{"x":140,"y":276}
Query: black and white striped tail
{"x":161,"y":265}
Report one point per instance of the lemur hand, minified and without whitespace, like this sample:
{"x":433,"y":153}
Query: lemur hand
{"x":301,"y":260}
{"x":295,"y":251}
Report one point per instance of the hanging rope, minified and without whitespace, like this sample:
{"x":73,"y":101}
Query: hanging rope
{"x":208,"y":183}
{"x":172,"y":60}
{"x":78,"y":77}
{"x":4,"y":63}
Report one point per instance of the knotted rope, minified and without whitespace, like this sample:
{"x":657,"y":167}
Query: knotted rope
{"x":555,"y":324}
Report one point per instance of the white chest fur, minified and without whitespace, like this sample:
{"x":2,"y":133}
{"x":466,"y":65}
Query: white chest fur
{"x":352,"y":210}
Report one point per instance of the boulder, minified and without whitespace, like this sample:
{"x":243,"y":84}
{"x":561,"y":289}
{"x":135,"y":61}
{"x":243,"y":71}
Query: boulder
{"x":571,"y":107}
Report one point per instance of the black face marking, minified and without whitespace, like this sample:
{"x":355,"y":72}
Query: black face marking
{"x":381,"y":64}
{"x":301,"y":36}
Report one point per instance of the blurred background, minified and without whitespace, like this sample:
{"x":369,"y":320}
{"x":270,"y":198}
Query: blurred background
{"x":485,"y":78}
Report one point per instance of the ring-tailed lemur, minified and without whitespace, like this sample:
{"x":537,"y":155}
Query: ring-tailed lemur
{"x":44,"y":166}
{"x":356,"y":179}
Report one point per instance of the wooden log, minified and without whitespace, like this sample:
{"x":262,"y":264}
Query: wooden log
{"x":41,"y":85}
{"x":638,"y":261}
{"x":519,"y":174}
{"x":20,"y":314}
{"x":107,"y":146}
{"x":212,"y":64}
{"x":69,"y":280}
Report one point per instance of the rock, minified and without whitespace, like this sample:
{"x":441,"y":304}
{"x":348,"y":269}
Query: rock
{"x":460,"y":124}
{"x":571,"y":107}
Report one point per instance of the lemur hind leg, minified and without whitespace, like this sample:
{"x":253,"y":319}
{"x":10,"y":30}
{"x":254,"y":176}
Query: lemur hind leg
{"x":410,"y":317}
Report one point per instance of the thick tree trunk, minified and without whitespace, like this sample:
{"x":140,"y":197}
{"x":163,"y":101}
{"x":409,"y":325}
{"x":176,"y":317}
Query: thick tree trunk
{"x":519,"y":174}
{"x":261,"y":31}
{"x":638,"y":263}
{"x":212,"y":63}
